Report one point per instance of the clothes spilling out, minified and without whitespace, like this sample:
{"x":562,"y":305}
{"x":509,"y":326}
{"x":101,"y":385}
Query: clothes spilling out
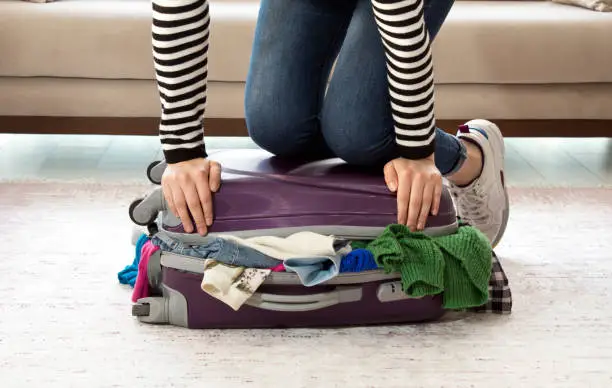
{"x":458,"y":265}
{"x":141,"y":286}
{"x":234,"y":268}
{"x":461,"y":266}
{"x":129,"y":273}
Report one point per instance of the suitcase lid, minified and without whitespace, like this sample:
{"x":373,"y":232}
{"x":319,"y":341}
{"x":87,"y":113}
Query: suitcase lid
{"x":265,"y":195}
{"x":331,"y":173}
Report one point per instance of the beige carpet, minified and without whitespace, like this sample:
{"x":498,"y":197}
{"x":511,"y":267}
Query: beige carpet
{"x":65,"y":321}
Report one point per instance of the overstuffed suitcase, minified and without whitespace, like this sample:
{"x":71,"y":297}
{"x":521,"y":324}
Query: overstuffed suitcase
{"x":263,"y":195}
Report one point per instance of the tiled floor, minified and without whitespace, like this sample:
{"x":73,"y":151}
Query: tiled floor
{"x":529,"y":161}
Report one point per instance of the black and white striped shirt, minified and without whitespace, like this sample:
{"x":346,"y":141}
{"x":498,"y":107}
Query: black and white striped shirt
{"x":180,"y":52}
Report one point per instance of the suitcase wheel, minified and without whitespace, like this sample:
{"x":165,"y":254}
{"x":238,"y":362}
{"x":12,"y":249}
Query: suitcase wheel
{"x":140,"y":310}
{"x":154,"y":174}
{"x":142,"y":221}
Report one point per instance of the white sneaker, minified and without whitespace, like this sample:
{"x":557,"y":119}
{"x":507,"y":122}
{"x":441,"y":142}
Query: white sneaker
{"x":484,"y":202}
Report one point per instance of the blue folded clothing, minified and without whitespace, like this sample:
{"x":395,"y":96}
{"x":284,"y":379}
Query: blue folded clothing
{"x":128,"y":274}
{"x":218,"y":249}
{"x":314,"y":270}
{"x":358,"y":260}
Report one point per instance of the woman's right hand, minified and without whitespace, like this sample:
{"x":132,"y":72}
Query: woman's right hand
{"x":188,"y":188}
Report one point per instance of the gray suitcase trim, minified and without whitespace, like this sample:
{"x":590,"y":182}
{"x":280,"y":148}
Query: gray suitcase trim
{"x":301,"y":303}
{"x":154,"y":270}
{"x":352,"y":232}
{"x":170,"y":308}
{"x":346,"y":232}
{"x":195,"y":265}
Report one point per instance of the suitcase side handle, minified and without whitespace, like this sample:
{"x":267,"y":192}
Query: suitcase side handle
{"x":301,"y":303}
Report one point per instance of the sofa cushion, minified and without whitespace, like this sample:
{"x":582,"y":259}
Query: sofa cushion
{"x":523,"y":42}
{"x":481,"y":42}
{"x":596,"y":5}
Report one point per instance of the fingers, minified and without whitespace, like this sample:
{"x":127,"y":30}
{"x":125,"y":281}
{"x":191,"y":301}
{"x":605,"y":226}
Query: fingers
{"x":419,"y":188}
{"x":416,"y":199}
{"x":426,"y":204}
{"x":403,"y":197}
{"x":167,"y":190}
{"x":432,"y":192}
{"x":181,"y":207}
{"x":175,"y":199}
{"x":204,"y":196}
{"x":192,"y":189}
{"x":187,"y":188}
{"x":436,"y":197}
{"x":390,"y":177}
{"x":214,"y":176}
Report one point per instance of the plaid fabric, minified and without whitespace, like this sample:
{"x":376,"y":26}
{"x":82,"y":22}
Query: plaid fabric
{"x":500,"y":296}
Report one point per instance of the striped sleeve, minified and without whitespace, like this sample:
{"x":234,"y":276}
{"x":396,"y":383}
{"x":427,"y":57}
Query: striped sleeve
{"x":180,"y":37}
{"x":410,"y":74}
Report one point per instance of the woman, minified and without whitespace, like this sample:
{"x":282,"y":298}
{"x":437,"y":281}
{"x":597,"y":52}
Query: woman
{"x":378,"y":109}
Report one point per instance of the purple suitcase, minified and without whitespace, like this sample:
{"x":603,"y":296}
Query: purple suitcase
{"x":262,"y":195}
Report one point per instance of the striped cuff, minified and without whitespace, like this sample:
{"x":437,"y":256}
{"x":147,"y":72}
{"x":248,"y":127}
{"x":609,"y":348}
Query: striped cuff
{"x":416,"y":153}
{"x":184,"y":154}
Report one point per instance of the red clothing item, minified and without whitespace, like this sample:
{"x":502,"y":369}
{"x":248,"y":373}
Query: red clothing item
{"x":279,"y":268}
{"x":141,"y":287}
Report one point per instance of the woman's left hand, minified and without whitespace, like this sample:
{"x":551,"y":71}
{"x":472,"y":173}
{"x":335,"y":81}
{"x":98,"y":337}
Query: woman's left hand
{"x":418,"y":184}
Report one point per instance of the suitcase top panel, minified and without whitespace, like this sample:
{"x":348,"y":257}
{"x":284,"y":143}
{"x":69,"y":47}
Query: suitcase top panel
{"x":332,"y":173}
{"x":262,"y":192}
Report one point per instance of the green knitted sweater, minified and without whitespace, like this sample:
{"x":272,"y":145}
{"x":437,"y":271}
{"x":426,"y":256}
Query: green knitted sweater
{"x":458,"y":264}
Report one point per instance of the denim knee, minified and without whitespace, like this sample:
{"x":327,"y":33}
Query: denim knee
{"x":364,"y":150}
{"x":265,"y":127}
{"x":282,"y":130}
{"x":264,"y":133}
{"x":279,"y":137}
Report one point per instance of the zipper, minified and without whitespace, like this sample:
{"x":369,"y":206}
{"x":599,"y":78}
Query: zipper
{"x":185,"y":264}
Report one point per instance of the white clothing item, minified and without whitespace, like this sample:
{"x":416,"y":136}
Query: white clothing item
{"x":297,"y":245}
{"x":230,"y":284}
{"x":219,"y":278}
{"x":484,"y":202}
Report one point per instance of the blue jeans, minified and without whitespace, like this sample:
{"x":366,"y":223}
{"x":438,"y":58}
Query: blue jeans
{"x":218,"y":249}
{"x":288,"y":111}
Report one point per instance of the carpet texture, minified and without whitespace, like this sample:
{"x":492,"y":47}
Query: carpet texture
{"x":65,"y":321}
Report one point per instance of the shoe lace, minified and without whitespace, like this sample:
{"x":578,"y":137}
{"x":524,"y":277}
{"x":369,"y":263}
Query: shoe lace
{"x":472,"y":205}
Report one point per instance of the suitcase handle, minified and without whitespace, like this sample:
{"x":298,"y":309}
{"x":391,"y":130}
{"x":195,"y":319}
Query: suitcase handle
{"x":301,"y":303}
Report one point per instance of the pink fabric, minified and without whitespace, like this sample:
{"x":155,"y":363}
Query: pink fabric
{"x":279,"y":268}
{"x":141,"y":287}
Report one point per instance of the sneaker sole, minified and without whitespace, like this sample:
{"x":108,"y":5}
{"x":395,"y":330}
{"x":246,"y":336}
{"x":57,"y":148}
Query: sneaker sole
{"x":506,"y":217}
{"x":495,"y":137}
